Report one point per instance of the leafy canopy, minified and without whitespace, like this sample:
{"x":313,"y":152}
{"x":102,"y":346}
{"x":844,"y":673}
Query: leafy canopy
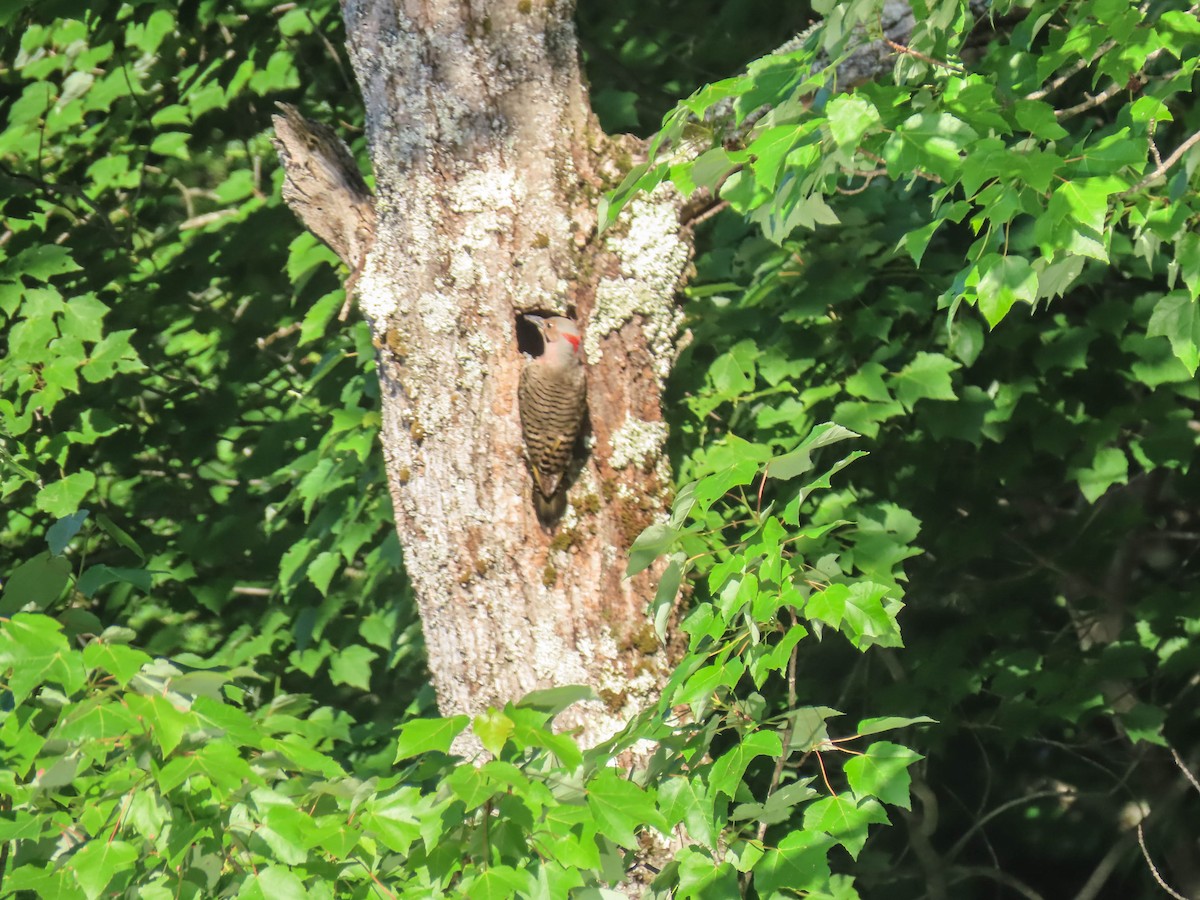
{"x":982,"y":262}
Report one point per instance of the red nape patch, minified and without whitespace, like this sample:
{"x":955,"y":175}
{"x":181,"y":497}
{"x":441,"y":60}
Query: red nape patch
{"x":574,"y":341}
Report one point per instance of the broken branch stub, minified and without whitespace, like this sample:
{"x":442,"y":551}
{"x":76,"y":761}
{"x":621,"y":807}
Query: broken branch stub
{"x":324,"y":187}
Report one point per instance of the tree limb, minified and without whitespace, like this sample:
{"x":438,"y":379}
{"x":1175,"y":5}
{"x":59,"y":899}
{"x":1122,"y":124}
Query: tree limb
{"x":325,"y":189}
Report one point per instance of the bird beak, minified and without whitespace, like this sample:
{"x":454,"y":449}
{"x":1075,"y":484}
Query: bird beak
{"x":539,"y":321}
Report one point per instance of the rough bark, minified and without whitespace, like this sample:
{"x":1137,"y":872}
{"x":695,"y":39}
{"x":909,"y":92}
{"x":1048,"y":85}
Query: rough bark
{"x":488,"y":166}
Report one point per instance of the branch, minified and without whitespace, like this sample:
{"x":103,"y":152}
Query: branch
{"x":1003,"y":807}
{"x":1104,"y":868}
{"x":1153,"y":869}
{"x":1187,"y":773}
{"x":868,"y":60}
{"x":1105,"y":95}
{"x":1166,"y":163}
{"x":1078,"y":66}
{"x":1003,"y":878}
{"x":325,"y":189}
{"x":1095,"y":100}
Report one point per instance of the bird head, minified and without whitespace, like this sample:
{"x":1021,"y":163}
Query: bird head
{"x":560,"y":337}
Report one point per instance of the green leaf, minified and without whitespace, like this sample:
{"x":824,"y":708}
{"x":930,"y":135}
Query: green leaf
{"x":702,"y":877}
{"x":319,"y":315}
{"x":845,"y":820}
{"x":1175,"y":316}
{"x":121,"y":536}
{"x":889,"y":723}
{"x":828,"y":605}
{"x":393,"y":818}
{"x":927,"y":377}
{"x":1039,"y":120}
{"x":869,"y":617}
{"x":929,"y":140}
{"x":652,"y":543}
{"x":799,"y":461}
{"x":38,"y":581}
{"x":352,"y":666}
{"x":278,"y":883}
{"x":98,"y":862}
{"x":426,"y":735}
{"x":495,"y":883}
{"x":808,"y":727}
{"x":171,"y":143}
{"x":733,"y":373}
{"x":59,"y":535}
{"x":867,"y":382}
{"x":800,"y":863}
{"x":685,"y":799}
{"x":882,"y":772}
{"x":1144,"y":722}
{"x":664,"y":597}
{"x":1004,"y":280}
{"x":98,"y":576}
{"x":322,"y":568}
{"x":916,"y":241}
{"x":43,"y":262}
{"x":779,"y":806}
{"x":727,"y":771}
{"x":793,"y":211}
{"x":1187,"y":252}
{"x":493,"y":729}
{"x":119,"y":661}
{"x":1109,"y":466}
{"x":621,"y":808}
{"x":850,"y":117}
{"x":61,"y":498}
{"x":111,"y":355}
{"x":166,"y":723}
{"x":555,"y":700}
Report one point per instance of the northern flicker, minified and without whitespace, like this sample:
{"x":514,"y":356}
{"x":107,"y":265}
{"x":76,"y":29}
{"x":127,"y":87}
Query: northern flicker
{"x":553,"y":400}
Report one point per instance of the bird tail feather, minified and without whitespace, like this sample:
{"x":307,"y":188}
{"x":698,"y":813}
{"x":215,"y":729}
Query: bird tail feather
{"x":549,"y":509}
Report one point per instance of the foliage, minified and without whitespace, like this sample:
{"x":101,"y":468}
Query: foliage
{"x":640,"y":58}
{"x":172,"y":363}
{"x":129,"y":772}
{"x":985,"y":263}
{"x":887,"y":233}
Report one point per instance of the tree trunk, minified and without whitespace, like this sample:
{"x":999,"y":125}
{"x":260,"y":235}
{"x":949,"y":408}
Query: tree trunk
{"x":488,"y":167}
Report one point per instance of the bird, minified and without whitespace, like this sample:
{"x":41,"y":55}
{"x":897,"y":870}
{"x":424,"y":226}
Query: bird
{"x":552,"y":396}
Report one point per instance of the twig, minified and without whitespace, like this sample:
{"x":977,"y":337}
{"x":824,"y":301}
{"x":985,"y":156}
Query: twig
{"x":1062,"y":79}
{"x":251,"y":591}
{"x":1081,"y":64}
{"x":1003,"y":807}
{"x":1153,"y":869}
{"x":787,"y":731}
{"x":928,"y":176}
{"x":1166,"y":164}
{"x":59,"y":192}
{"x":277,"y":334}
{"x":1187,"y":773}
{"x":1003,"y":878}
{"x":1103,"y":97}
{"x":706,"y":214}
{"x":870,"y":176}
{"x":5,"y":807}
{"x":909,"y":51}
{"x":206,"y":219}
{"x":1092,"y":887}
{"x":1150,"y":127}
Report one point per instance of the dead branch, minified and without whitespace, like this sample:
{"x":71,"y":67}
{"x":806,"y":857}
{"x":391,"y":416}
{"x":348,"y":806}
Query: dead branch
{"x":325,"y":189}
